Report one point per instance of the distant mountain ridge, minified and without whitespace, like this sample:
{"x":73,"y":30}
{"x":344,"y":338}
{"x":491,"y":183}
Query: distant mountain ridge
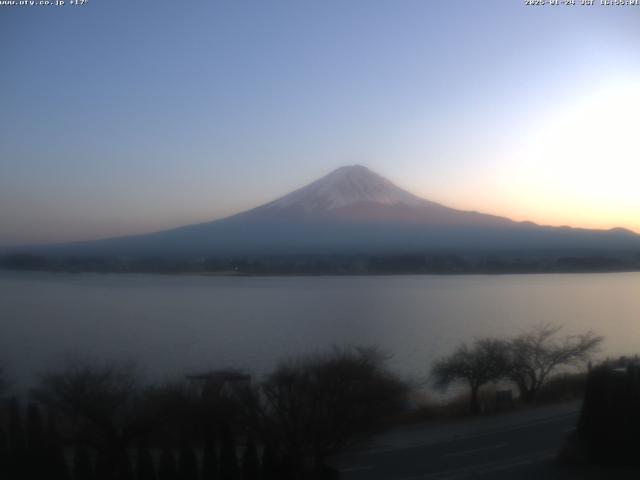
{"x":353,"y":210}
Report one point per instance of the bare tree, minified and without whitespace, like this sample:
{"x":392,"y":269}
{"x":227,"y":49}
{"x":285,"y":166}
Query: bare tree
{"x":485,"y":361}
{"x":319,"y":405}
{"x":535,"y":355}
{"x":97,"y":404}
{"x":99,"y":394}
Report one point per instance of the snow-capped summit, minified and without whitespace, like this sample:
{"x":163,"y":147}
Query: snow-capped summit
{"x":356,"y":194}
{"x":344,"y":187}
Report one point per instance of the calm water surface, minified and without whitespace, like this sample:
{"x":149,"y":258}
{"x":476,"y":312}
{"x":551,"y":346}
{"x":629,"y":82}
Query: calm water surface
{"x":177,"y":324}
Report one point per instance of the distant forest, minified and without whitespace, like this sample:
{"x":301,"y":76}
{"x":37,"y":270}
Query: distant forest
{"x":486,"y":263}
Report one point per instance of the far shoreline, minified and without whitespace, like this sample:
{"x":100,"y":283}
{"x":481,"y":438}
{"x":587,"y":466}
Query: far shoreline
{"x":236,"y":274}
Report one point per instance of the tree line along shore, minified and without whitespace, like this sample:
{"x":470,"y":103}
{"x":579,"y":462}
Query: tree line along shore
{"x":346,"y":264}
{"x":85,"y":421}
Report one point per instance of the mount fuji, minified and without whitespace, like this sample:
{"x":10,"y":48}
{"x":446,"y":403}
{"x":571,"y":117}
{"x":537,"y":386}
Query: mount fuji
{"x":353,"y":211}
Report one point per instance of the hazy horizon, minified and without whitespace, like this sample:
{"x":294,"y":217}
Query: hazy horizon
{"x":283,"y":195}
{"x":123,"y":118}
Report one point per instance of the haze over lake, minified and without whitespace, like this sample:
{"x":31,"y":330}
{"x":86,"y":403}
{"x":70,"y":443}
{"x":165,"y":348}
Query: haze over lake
{"x":178,"y":324}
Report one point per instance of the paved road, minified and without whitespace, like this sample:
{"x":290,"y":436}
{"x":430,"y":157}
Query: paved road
{"x":519,"y":445}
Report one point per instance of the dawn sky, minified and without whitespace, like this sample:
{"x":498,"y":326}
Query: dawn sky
{"x":122,"y":117}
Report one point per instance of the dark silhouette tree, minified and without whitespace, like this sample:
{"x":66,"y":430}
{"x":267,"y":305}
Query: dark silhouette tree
{"x":36,"y":443}
{"x":535,"y":355}
{"x":18,"y":461}
{"x":16,"y":429}
{"x":56,"y":461}
{"x":250,"y":462}
{"x":145,"y":469}
{"x":609,"y":422}
{"x":210,"y":470}
{"x":4,"y":453}
{"x":289,"y":468}
{"x":35,"y":429}
{"x":187,"y":462}
{"x":229,"y":469}
{"x":82,"y":464}
{"x":124,"y":469}
{"x":105,"y":468}
{"x":167,"y":469}
{"x":269,"y":464}
{"x":485,"y":361}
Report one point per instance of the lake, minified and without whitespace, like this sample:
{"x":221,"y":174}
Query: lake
{"x":180,"y":324}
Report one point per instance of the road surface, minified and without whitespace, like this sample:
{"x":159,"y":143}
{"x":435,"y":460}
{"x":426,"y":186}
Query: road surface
{"x":518,"y":445}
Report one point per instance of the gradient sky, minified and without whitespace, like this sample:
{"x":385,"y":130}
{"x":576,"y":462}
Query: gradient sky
{"x":131,"y":116}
